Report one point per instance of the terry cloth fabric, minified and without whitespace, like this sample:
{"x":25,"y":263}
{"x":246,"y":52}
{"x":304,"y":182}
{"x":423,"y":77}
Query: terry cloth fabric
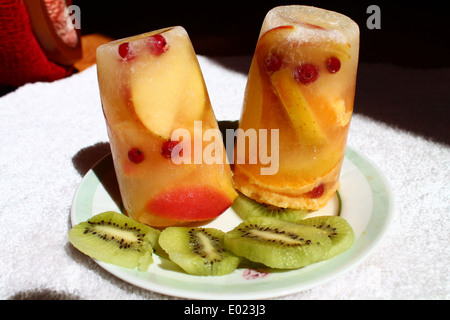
{"x":52,"y":133}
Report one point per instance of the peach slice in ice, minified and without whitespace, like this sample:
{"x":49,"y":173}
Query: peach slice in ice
{"x":161,"y":96}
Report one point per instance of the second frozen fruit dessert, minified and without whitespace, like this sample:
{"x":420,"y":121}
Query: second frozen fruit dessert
{"x":151,"y":87}
{"x":302,"y":83}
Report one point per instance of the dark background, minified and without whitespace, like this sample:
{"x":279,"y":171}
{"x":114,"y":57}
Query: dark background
{"x":412,"y":33}
{"x":403,"y":76}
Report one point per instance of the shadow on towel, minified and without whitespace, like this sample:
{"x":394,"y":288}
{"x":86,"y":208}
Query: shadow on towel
{"x":43,"y":294}
{"x":87,"y":157}
{"x":98,"y":158}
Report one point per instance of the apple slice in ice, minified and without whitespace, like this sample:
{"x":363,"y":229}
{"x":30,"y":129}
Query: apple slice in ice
{"x":288,"y":90}
{"x":167,"y":89}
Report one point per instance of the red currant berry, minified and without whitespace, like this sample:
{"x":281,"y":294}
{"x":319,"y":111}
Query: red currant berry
{"x":158,"y":44}
{"x":135,"y":155}
{"x":273,"y":63}
{"x":167,"y":148}
{"x":317,"y":192}
{"x":306,"y":73}
{"x":333,"y":65}
{"x":125,"y":51}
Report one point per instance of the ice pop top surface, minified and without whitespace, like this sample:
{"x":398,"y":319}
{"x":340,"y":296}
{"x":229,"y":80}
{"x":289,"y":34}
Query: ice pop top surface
{"x":313,"y":24}
{"x":139,"y":43}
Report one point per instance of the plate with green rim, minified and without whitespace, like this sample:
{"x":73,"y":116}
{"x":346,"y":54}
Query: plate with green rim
{"x":366,"y":202}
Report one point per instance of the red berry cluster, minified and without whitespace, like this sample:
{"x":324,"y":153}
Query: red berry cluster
{"x":167,"y":148}
{"x":306,"y":73}
{"x":135,"y":155}
{"x":157,"y":45}
{"x":125,"y":52}
{"x":317,"y":192}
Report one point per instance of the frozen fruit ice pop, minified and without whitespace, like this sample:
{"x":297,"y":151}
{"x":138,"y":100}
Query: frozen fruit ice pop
{"x":302,"y":83}
{"x":151,"y":86}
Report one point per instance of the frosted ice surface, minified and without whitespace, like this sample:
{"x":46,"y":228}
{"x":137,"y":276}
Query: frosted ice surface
{"x":333,"y":26}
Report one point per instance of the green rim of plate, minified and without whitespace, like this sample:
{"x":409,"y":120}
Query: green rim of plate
{"x":163,"y":278}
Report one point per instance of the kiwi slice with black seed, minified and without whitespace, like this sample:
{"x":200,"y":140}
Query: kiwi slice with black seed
{"x":198,"y":251}
{"x":278,"y":244}
{"x":338,"y":230}
{"x":114,"y":238}
{"x":248,"y":208}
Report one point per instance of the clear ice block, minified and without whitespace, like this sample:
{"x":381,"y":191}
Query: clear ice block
{"x":158,"y":115}
{"x":302,"y":83}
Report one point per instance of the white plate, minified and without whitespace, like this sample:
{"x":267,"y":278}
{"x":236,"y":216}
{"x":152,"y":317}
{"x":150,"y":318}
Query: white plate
{"x":367,"y":204}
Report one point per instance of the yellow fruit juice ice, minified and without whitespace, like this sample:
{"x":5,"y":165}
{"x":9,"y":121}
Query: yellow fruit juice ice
{"x":302,"y":83}
{"x":167,"y":150}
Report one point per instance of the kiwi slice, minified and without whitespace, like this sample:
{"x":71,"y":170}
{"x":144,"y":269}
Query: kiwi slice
{"x":248,"y":208}
{"x":337,"y":229}
{"x":114,"y":238}
{"x":198,"y":251}
{"x":278,"y":244}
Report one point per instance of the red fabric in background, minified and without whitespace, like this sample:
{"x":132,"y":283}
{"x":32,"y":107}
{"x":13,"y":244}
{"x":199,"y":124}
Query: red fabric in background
{"x":21,"y":57}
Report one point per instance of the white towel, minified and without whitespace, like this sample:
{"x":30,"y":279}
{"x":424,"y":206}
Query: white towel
{"x":51,"y":133}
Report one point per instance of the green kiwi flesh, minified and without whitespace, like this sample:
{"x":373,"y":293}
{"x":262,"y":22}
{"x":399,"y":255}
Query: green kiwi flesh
{"x":278,"y":244}
{"x":198,"y":251}
{"x":114,"y":238}
{"x":337,"y":229}
{"x":248,"y":208}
